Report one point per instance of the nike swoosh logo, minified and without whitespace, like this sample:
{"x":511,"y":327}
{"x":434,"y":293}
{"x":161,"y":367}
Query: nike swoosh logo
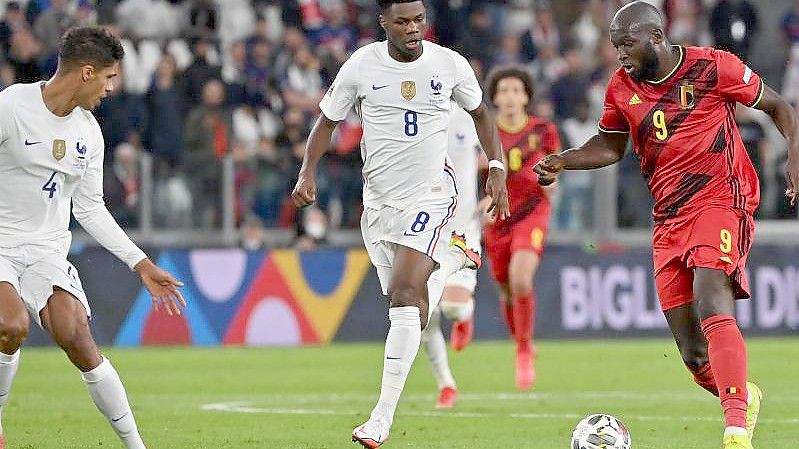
{"x":409,"y":235}
{"x":378,"y":87}
{"x":31,"y":143}
{"x":117,"y":419}
{"x":393,"y":358}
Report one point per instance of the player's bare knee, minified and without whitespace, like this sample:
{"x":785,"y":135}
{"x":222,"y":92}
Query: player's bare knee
{"x":521,"y":288}
{"x":406,"y":296}
{"x":13,"y":331}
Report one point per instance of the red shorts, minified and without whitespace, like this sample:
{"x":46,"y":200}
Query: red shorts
{"x":502,"y":241}
{"x":715,"y":237}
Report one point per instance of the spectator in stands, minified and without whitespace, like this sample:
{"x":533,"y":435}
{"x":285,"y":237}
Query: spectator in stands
{"x":49,"y":26}
{"x":207,"y":136}
{"x":734,"y":23}
{"x":195,"y":77}
{"x":571,"y":86}
{"x":683,"y":20}
{"x":543,"y":33}
{"x":121,"y":185}
{"x":258,"y":74}
{"x":303,"y":86}
{"x":234,"y":73}
{"x":575,"y":192}
{"x":510,"y":50}
{"x":146,"y":19}
{"x":547,"y":68}
{"x":24,"y":51}
{"x":311,"y":229}
{"x":13,"y":20}
{"x":271,"y":186}
{"x":480,"y":40}
{"x":293,"y":40}
{"x":252,"y":233}
{"x":165,"y":104}
{"x":122,"y":117}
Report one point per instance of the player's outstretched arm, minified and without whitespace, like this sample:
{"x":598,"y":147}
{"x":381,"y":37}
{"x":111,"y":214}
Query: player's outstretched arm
{"x":488,"y":134}
{"x":784,"y":116}
{"x":601,"y":150}
{"x":304,"y":193}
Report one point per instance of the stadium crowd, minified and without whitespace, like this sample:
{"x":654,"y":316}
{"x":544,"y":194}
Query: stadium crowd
{"x":206,"y":79}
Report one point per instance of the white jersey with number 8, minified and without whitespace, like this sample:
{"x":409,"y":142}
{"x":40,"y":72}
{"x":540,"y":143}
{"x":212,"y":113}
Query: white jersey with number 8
{"x":405,"y":113}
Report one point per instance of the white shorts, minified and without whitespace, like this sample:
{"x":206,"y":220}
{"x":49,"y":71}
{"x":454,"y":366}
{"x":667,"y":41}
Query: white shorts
{"x":34,"y":270}
{"x":424,"y":227}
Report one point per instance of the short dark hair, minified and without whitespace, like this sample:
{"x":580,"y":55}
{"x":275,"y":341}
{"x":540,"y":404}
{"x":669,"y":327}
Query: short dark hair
{"x":89,"y":45}
{"x":500,"y":73}
{"x":385,"y":4}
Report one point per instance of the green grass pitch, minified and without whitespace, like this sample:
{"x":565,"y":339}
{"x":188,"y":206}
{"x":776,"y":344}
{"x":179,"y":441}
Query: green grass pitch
{"x":311,"y":398}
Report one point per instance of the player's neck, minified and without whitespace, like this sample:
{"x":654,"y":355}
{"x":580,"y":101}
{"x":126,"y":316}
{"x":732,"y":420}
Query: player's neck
{"x":668,"y":59}
{"x":403,"y":57}
{"x":512,"y":122}
{"x":59,"y":96}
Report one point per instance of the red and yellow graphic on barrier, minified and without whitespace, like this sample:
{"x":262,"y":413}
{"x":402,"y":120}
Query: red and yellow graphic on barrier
{"x":296,"y":301}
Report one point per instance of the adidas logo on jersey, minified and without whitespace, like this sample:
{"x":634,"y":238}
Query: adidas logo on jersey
{"x":634,"y":100}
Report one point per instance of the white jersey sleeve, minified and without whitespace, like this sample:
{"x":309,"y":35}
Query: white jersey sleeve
{"x":467,"y":92}
{"x":89,"y":209}
{"x":343,"y":93}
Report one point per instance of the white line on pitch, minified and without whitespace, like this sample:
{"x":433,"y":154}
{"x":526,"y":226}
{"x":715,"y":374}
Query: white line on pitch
{"x":246,"y":407}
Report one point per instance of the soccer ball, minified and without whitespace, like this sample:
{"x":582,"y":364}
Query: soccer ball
{"x":601,"y":432}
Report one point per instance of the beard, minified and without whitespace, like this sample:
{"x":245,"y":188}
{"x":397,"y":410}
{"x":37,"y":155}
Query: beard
{"x":649,"y":64}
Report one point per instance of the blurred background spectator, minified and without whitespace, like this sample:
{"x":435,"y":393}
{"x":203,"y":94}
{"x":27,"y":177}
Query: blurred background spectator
{"x":205,"y":81}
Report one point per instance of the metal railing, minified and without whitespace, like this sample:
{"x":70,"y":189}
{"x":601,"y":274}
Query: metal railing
{"x":605,"y":230}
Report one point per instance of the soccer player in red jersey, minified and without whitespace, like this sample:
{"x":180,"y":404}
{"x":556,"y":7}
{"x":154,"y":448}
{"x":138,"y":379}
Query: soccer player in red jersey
{"x":515,"y":245}
{"x":678,"y":104}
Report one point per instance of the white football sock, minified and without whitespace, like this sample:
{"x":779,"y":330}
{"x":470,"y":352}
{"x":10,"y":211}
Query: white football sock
{"x":734,"y":431}
{"x":457,"y":311}
{"x":8,"y":369}
{"x":109,"y":395}
{"x":402,"y":344}
{"x":436,"y":348}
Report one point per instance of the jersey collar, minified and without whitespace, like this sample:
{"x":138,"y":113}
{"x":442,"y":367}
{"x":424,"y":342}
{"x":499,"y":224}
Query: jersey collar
{"x":674,"y":70}
{"x":511,"y":130}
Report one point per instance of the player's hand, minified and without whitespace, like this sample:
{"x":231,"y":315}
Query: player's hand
{"x":162,"y":286}
{"x":549,"y":168}
{"x":498,"y":191}
{"x":792,"y":181}
{"x":482,"y":211}
{"x":304,"y":193}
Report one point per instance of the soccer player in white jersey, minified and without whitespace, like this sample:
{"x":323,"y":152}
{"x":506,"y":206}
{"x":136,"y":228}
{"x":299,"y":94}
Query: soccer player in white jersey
{"x":404,"y":90}
{"x":51,"y":159}
{"x":457,"y":301}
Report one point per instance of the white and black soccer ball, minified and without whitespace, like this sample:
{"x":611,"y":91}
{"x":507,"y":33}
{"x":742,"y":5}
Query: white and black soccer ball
{"x":601,"y":432}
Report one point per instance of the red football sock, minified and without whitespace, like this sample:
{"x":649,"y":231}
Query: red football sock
{"x":704,"y":378}
{"x":728,"y":357}
{"x":506,"y":308}
{"x":524,"y":318}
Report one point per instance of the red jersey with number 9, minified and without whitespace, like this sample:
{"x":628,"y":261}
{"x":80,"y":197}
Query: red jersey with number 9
{"x":684,"y":132}
{"x":523,"y":148}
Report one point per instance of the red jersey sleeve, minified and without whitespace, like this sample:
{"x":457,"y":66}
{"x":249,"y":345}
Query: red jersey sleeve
{"x":612,"y":120}
{"x":737,"y":82}
{"x":551,"y":139}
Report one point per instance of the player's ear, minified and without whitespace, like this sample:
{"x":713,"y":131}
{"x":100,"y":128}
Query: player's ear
{"x":656,"y":35}
{"x":87,"y":73}
{"x":382,"y":20}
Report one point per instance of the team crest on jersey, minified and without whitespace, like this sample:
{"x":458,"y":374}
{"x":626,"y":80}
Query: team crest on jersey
{"x":533,"y":140}
{"x":408,"y":90}
{"x":687,"y":97}
{"x":59,"y":149}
